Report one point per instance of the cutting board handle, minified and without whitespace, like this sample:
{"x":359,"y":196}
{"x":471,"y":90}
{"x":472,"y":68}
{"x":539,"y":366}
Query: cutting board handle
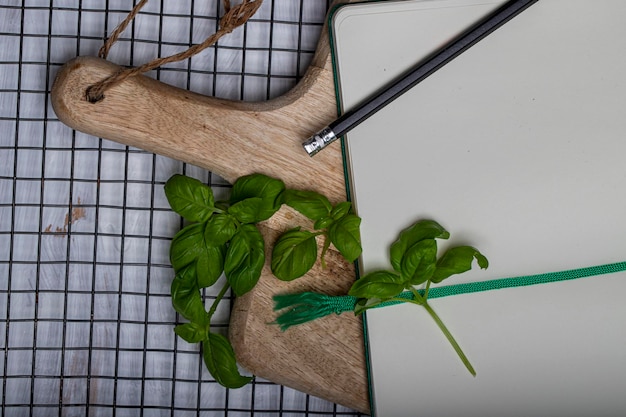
{"x":229,"y":138}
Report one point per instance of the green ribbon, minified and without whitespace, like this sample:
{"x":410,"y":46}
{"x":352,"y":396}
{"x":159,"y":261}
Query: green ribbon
{"x":308,"y":306}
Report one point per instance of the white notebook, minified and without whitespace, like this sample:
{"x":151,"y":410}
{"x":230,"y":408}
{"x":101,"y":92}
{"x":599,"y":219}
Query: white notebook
{"x":516,"y":147}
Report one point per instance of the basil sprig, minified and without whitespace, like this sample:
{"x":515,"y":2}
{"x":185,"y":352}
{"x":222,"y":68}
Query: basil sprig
{"x":295,"y":252}
{"x":414,"y":261}
{"x":222,"y":238}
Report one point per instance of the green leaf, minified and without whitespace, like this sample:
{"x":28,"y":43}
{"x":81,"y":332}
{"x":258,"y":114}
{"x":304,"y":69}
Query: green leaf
{"x":187,"y":245}
{"x":419,"y":261}
{"x":259,"y":186}
{"x":190,"y":198}
{"x":294,"y":254}
{"x":210,"y":265}
{"x":244,"y":259}
{"x":346,"y":236}
{"x":219,"y":229}
{"x":458,"y":260}
{"x":423,"y":229}
{"x":186,"y":297}
{"x":340,"y":210}
{"x":313,"y":205}
{"x":377,"y":284}
{"x":323,"y":223}
{"x":219,"y":358}
{"x":191,"y":332}
{"x":250,"y":210}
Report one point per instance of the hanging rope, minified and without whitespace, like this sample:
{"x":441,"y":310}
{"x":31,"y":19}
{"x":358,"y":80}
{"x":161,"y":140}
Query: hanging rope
{"x":232,"y":19}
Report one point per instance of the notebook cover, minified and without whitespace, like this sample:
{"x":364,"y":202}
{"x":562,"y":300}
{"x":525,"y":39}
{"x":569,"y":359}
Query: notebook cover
{"x":516,"y":148}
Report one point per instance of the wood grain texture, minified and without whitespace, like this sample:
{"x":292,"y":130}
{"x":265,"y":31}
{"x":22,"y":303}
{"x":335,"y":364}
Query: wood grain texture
{"x":325,"y":357}
{"x":234,"y":138}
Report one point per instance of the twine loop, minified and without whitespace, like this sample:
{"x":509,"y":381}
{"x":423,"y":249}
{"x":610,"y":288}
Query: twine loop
{"x":233,"y":17}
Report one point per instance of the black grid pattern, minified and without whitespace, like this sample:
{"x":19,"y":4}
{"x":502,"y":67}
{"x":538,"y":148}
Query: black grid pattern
{"x":85,"y":315}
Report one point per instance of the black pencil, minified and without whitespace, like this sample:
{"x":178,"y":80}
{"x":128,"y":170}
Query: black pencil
{"x":414,"y":75}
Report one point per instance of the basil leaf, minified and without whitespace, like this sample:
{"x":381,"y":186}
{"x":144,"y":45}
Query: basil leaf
{"x":210,"y":265}
{"x":244,"y":259}
{"x":377,"y":284}
{"x":419,"y":261}
{"x":423,"y":229}
{"x":256,"y":185}
{"x":219,"y":358}
{"x":259,"y":186}
{"x":219,"y":229}
{"x":323,"y":223}
{"x":313,"y":205}
{"x":250,"y":210}
{"x":190,"y":198}
{"x":191,"y":332}
{"x":187,"y":245}
{"x":458,"y":260}
{"x":186,"y":297}
{"x":346,"y":236}
{"x":294,"y":254}
{"x":341,"y":210}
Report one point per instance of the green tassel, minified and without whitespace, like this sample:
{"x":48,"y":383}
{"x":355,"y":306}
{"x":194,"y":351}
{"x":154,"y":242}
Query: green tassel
{"x":308,"y":306}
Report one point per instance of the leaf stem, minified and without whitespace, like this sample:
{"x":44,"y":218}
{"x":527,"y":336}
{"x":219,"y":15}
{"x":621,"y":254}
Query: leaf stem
{"x":220,"y":207}
{"x":218,"y":298}
{"x":324,"y":248}
{"x":426,"y":290}
{"x":450,"y":338}
{"x":417,"y":297}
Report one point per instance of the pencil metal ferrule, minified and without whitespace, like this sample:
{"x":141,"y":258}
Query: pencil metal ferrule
{"x":319,"y":141}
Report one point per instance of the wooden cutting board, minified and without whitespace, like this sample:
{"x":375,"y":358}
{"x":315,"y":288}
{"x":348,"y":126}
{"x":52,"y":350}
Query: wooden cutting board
{"x":324,"y":358}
